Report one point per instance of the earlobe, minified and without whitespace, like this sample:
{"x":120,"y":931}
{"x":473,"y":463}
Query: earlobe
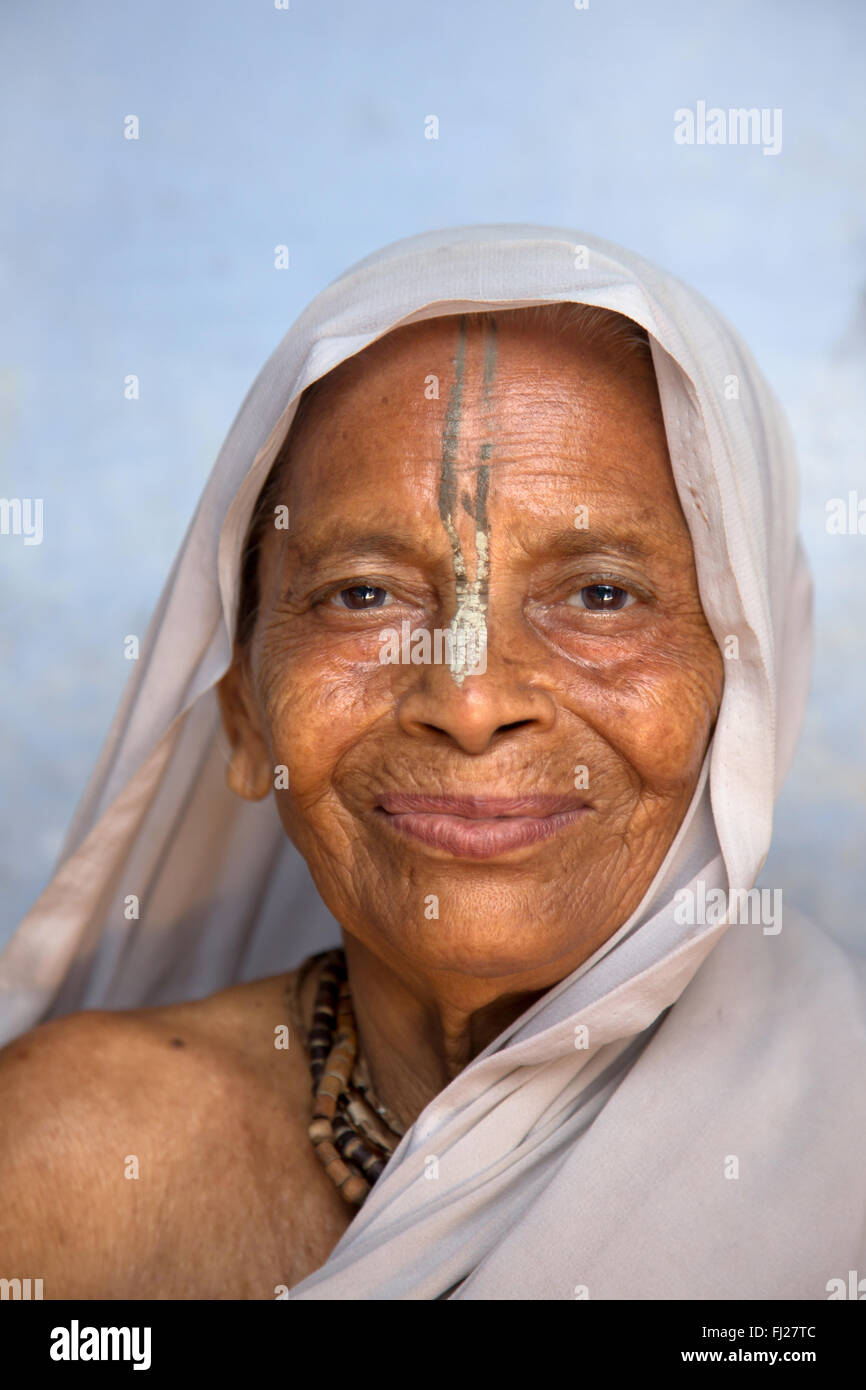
{"x":248,"y":773}
{"x":248,"y":777}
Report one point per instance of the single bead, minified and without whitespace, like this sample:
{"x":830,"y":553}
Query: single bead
{"x":355,"y":1190}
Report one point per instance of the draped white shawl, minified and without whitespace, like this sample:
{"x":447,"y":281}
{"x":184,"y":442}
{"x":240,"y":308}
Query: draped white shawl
{"x":713,"y":1149}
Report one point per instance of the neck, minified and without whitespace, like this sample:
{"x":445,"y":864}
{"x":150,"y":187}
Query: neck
{"x":416,"y":1036}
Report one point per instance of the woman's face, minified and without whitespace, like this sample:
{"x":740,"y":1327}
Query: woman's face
{"x":500,"y":824}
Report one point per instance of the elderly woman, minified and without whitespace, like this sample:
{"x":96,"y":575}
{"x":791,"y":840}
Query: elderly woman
{"x":493,"y":613}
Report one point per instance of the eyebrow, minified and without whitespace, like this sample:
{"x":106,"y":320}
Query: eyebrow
{"x":341,"y":540}
{"x":572,"y":541}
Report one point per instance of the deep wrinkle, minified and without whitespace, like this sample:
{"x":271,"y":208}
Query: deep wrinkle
{"x":469,"y":625}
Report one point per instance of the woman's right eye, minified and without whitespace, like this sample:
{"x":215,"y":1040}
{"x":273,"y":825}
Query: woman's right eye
{"x":360,"y":596}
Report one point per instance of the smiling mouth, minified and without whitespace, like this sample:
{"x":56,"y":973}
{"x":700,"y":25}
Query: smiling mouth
{"x":479,"y":827}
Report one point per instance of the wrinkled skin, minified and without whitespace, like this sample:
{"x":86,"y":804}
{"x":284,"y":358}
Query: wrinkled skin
{"x":631,"y":694}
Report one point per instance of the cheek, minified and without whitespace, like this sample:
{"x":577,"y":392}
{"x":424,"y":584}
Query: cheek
{"x":657,"y":711}
{"x":316,"y":705}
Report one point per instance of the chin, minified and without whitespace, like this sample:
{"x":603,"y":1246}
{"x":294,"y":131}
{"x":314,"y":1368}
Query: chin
{"x":467,"y":946}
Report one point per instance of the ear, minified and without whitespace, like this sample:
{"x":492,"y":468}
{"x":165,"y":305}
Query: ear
{"x":249,"y":772}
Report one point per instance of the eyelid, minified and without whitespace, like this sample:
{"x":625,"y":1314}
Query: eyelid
{"x":616,"y":581}
{"x":333,"y":593}
{"x":631,"y":599}
{"x":405,"y":586}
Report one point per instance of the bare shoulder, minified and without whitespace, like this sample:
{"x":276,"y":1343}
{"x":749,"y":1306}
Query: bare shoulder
{"x":134,"y":1143}
{"x":107,"y":1065}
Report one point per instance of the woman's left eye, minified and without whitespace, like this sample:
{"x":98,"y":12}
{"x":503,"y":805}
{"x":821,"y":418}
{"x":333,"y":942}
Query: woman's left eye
{"x":602,"y":598}
{"x":360,"y":596}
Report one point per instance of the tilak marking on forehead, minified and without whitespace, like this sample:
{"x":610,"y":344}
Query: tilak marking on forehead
{"x":450,"y":437}
{"x":469,"y":625}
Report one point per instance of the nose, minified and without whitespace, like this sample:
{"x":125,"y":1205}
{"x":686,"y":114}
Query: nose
{"x":483,"y":709}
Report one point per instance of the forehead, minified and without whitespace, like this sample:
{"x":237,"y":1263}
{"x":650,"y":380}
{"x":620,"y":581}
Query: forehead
{"x":541,"y":410}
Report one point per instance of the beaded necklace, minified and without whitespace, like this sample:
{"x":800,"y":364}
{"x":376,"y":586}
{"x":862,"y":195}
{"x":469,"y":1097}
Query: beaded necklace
{"x":353,"y":1134}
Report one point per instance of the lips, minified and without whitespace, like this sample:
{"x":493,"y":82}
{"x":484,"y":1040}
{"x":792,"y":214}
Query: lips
{"x":479,"y":827}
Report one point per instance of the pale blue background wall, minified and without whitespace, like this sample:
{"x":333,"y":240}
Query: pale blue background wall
{"x":306,"y":127}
